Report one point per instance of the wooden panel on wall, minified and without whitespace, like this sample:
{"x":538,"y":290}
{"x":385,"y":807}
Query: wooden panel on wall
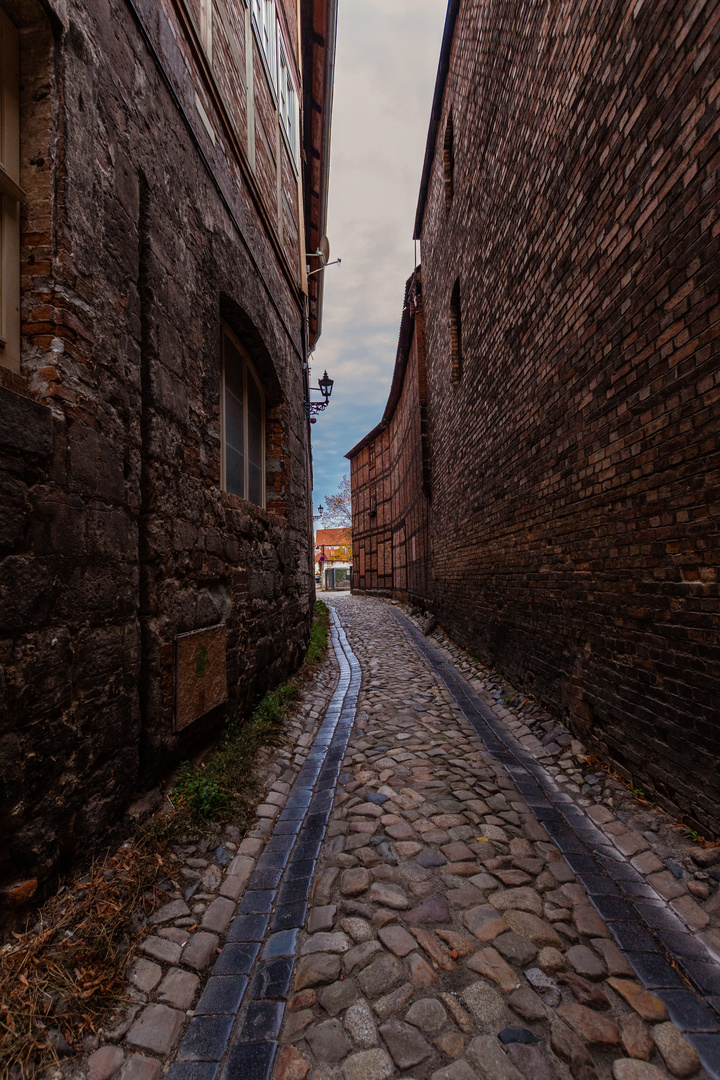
{"x":200,"y":673}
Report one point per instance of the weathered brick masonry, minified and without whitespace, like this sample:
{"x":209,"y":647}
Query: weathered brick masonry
{"x":389,"y":476}
{"x":569,"y":227}
{"x":159,"y":206}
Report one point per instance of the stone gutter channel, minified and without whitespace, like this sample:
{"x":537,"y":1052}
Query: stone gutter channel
{"x":656,"y":943}
{"x":238,"y":1018}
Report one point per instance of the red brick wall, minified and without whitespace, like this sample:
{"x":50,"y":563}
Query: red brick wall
{"x":372,"y":517}
{"x":409,"y":501}
{"x":390,"y":550}
{"x":576,"y":467}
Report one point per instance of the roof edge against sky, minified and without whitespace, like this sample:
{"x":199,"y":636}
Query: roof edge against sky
{"x":443,"y":68}
{"x":401,"y":358}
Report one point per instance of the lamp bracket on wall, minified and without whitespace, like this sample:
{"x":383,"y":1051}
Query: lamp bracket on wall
{"x":324,"y":387}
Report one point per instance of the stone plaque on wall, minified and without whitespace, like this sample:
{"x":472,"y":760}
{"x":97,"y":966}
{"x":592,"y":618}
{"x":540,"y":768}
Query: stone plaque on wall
{"x":200,"y":675}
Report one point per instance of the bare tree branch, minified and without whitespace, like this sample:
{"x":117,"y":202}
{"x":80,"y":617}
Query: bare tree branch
{"x":338,"y":508}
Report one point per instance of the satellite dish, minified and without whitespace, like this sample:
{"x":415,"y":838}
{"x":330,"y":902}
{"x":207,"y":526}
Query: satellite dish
{"x":324,"y":249}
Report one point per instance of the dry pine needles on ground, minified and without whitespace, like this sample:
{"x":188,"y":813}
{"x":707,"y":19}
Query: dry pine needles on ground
{"x":59,"y":977}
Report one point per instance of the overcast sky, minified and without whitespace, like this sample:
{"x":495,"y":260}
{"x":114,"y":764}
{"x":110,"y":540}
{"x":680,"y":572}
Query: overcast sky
{"x":387,"y":57}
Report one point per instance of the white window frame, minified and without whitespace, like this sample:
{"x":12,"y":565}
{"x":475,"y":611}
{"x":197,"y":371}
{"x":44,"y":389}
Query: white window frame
{"x":10,"y":195}
{"x":247,"y":365}
{"x":287,"y":103}
{"x":265,"y":27}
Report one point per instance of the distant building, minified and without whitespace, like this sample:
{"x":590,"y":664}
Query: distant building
{"x":390,"y":476}
{"x":164,"y":172}
{"x":333,"y":558}
{"x":546,"y":476}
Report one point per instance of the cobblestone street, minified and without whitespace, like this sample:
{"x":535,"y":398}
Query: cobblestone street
{"x":448,"y":937}
{"x":400,"y":909}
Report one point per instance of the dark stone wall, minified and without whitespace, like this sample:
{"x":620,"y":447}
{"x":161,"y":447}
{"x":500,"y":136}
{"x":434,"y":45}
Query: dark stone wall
{"x":575,"y":463}
{"x":114,"y":534}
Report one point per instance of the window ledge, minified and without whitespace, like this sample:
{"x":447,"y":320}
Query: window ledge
{"x":263,"y":513}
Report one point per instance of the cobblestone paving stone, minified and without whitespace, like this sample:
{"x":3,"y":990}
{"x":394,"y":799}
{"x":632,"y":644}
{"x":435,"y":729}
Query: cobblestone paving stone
{"x":674,"y":866}
{"x":400,"y":911}
{"x":180,"y":959}
{"x":448,"y":937}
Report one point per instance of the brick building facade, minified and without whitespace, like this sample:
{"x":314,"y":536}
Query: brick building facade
{"x":569,"y":229}
{"x":155,"y":516}
{"x":333,"y":558}
{"x":389,"y":475}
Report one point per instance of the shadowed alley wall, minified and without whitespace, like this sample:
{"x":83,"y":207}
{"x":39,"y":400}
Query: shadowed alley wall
{"x":163,"y":205}
{"x":569,"y":232}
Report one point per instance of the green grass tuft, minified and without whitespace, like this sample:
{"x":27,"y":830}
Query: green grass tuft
{"x":318,"y":634}
{"x":201,"y":794}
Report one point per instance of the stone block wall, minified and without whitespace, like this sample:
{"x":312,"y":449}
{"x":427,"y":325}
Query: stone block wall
{"x":142,"y":233}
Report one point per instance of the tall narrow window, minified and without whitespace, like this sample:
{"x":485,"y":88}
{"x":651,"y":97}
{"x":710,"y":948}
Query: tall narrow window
{"x":455,"y":334}
{"x":288,"y":107}
{"x":264,"y":21}
{"x":449,"y":161}
{"x":10,"y":195}
{"x":243,"y":424}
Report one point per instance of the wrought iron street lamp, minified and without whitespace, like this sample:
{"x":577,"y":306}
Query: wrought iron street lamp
{"x":324,"y":387}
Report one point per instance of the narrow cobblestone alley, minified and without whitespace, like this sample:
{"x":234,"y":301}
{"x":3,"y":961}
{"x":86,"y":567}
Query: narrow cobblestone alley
{"x":358,"y":685}
{"x":409,"y":914}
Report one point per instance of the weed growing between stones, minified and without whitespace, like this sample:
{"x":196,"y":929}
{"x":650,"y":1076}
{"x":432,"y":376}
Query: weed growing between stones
{"x":202,"y":795}
{"x":318,"y":634}
{"x":222,"y":786}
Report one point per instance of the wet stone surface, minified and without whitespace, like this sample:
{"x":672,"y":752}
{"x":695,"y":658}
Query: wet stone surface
{"x":190,"y":977}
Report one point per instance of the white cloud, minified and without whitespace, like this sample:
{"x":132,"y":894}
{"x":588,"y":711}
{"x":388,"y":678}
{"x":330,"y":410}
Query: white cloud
{"x":387,"y":56}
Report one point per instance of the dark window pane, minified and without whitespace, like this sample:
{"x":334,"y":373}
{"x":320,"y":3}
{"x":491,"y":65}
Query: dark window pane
{"x":234,"y":426}
{"x":255,"y":441}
